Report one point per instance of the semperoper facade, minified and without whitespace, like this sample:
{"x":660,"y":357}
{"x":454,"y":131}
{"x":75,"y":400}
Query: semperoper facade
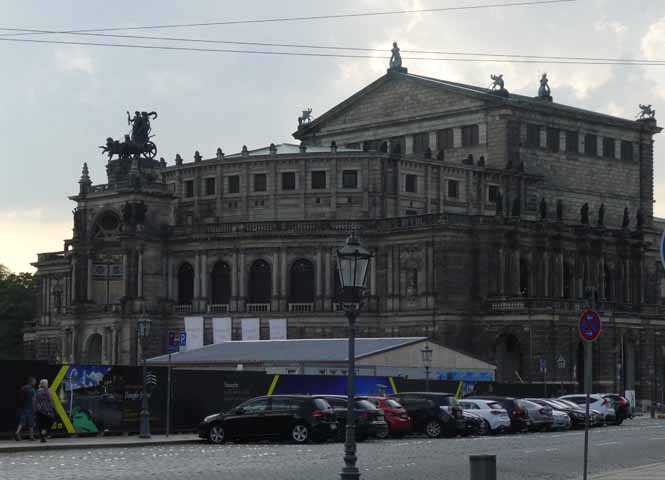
{"x":492,"y":217}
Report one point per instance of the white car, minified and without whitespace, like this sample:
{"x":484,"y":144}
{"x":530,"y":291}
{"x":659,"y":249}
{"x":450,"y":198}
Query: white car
{"x":561,"y":420}
{"x":596,"y":402}
{"x":493,"y":413}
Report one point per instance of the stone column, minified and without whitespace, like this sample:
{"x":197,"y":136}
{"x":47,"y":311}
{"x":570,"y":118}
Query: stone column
{"x":516,"y":280}
{"x":73,"y":356}
{"x":139,"y":274}
{"x":275,"y":280}
{"x":171,"y":277}
{"x":327,"y":281}
{"x":204,"y":277}
{"x":74,"y":279}
{"x":114,"y":345}
{"x":319,"y":280}
{"x":546,"y":274}
{"x":234,"y":282}
{"x":125,"y":290}
{"x":165,"y":277}
{"x":627,"y":280}
{"x":197,"y":275}
{"x":501,"y":272}
{"x":283,"y":280}
{"x":241,"y":277}
{"x":89,"y":282}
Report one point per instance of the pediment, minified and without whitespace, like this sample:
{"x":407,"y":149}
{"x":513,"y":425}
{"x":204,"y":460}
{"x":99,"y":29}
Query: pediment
{"x":396,"y":98}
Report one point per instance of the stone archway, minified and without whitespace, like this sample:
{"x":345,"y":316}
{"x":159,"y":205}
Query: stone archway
{"x":508,"y":356}
{"x":93,"y":349}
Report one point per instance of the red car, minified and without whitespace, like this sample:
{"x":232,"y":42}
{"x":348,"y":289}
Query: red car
{"x":399,"y":422}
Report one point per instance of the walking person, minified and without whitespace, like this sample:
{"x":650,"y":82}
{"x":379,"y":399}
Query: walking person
{"x":44,"y":410}
{"x":25,"y":403}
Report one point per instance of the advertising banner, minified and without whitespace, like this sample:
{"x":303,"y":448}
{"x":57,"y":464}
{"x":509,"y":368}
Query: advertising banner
{"x":277,"y":328}
{"x":194,"y":330}
{"x":251,"y":329}
{"x":221,"y":330}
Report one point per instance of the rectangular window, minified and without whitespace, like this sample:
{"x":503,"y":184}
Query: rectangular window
{"x":288,"y":180}
{"x":470,"y":136}
{"x":492,"y":193}
{"x":420,"y":142}
{"x":189,"y":188}
{"x":410,"y":213}
{"x":444,"y":139}
{"x":349,"y":179}
{"x":234,"y":184}
{"x":572,"y":142}
{"x":532,"y":135}
{"x":453,"y":189}
{"x":260,"y":182}
{"x":590,"y":145}
{"x":626,"y":150}
{"x":608,"y":147}
{"x":210,"y":186}
{"x":411,"y":183}
{"x":553,"y":139}
{"x":318,"y":180}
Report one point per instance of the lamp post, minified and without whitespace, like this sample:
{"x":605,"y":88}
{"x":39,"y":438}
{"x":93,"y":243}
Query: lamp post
{"x":427,"y":363}
{"x":143,"y":330}
{"x":352,"y":262}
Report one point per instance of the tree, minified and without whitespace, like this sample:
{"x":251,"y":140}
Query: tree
{"x":18,"y":297}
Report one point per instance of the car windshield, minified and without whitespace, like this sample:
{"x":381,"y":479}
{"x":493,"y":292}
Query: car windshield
{"x":448,"y":401}
{"x":365,"y":405}
{"x":392,"y":403}
{"x":495,"y":406}
{"x":321,"y":404}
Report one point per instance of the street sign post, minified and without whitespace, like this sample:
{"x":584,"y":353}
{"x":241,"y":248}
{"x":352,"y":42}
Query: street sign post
{"x":589,"y":327}
{"x":173,"y":342}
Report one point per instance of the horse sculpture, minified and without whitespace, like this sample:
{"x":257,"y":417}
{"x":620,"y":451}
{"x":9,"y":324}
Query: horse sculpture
{"x":306,"y":117}
{"x":497,"y":82}
{"x":646,"y":112}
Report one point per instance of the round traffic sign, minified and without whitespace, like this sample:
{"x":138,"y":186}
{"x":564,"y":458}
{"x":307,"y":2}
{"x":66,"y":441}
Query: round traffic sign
{"x":589,"y":325}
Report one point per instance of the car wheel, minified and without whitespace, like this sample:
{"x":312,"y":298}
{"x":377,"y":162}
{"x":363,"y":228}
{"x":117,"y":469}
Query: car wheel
{"x":300,"y":433}
{"x":382,"y":434}
{"x":619,"y":420}
{"x":433,"y":429}
{"x":483,"y":429}
{"x":216,"y":433}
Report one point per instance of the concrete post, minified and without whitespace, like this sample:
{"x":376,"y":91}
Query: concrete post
{"x":482,"y":467}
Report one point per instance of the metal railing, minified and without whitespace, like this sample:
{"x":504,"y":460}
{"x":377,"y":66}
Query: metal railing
{"x":182,"y":308}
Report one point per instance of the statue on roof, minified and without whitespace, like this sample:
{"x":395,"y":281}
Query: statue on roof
{"x":544,"y":90}
{"x":395,"y":64}
{"x":646,"y":112}
{"x":135,"y":144}
{"x":497,"y":82}
{"x":305,"y":118}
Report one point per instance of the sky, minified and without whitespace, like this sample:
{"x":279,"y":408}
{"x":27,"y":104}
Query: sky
{"x":59,"y":102}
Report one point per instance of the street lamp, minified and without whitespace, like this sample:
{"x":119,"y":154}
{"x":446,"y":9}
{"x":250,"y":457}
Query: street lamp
{"x":427,"y":363}
{"x":143,"y":330}
{"x":352,"y":262}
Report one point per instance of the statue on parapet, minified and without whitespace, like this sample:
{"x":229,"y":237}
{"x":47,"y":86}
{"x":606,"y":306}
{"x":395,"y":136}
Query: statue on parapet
{"x":498,"y":85}
{"x":544,"y":90}
{"x":646,"y":112}
{"x":137,"y":143}
{"x":305,"y":118}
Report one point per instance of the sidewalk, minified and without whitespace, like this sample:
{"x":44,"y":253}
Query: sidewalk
{"x":12,"y":446}
{"x":646,"y":472}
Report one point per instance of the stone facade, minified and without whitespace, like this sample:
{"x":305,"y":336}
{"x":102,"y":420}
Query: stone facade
{"x":414,"y":165}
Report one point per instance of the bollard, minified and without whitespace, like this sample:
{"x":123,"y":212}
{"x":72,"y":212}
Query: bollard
{"x":483,"y":467}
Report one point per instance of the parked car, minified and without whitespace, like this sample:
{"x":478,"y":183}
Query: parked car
{"x":493,"y":413}
{"x":475,"y":424}
{"x":561,"y":420}
{"x":519,"y":418}
{"x":370,"y":421}
{"x":540,"y":416}
{"x":398,"y":420}
{"x":576,"y":414}
{"x":596,"y":418}
{"x":299,"y":418}
{"x":433,"y":414}
{"x":597,"y":402}
{"x":621,"y":407}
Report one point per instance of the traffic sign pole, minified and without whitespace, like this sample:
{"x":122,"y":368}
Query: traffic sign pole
{"x":589,"y":328}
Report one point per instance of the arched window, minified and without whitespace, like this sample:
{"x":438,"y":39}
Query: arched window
{"x":221,"y":283}
{"x":93,"y":351}
{"x":260,"y":282}
{"x":525,"y":274}
{"x":185,"y":284}
{"x":302,"y":283}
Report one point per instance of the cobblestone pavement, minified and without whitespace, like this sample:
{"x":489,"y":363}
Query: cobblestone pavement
{"x":530,"y":456}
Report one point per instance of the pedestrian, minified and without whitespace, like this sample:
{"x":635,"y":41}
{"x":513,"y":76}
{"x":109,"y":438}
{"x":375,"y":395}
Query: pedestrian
{"x":44,"y":410}
{"x":25,"y":403}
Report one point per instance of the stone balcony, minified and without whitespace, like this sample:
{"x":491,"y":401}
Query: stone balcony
{"x":519,"y":304}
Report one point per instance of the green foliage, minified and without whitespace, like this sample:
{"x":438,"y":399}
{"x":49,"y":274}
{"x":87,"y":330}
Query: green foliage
{"x":18,"y":301}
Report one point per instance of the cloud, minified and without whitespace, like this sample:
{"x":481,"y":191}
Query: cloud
{"x":27,"y":232}
{"x":651,"y":47}
{"x":74,"y":60}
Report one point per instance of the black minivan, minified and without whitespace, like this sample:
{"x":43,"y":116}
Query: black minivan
{"x":299,"y":418}
{"x":433,"y":414}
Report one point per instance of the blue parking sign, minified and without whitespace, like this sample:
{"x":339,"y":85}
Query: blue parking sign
{"x":183,"y":339}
